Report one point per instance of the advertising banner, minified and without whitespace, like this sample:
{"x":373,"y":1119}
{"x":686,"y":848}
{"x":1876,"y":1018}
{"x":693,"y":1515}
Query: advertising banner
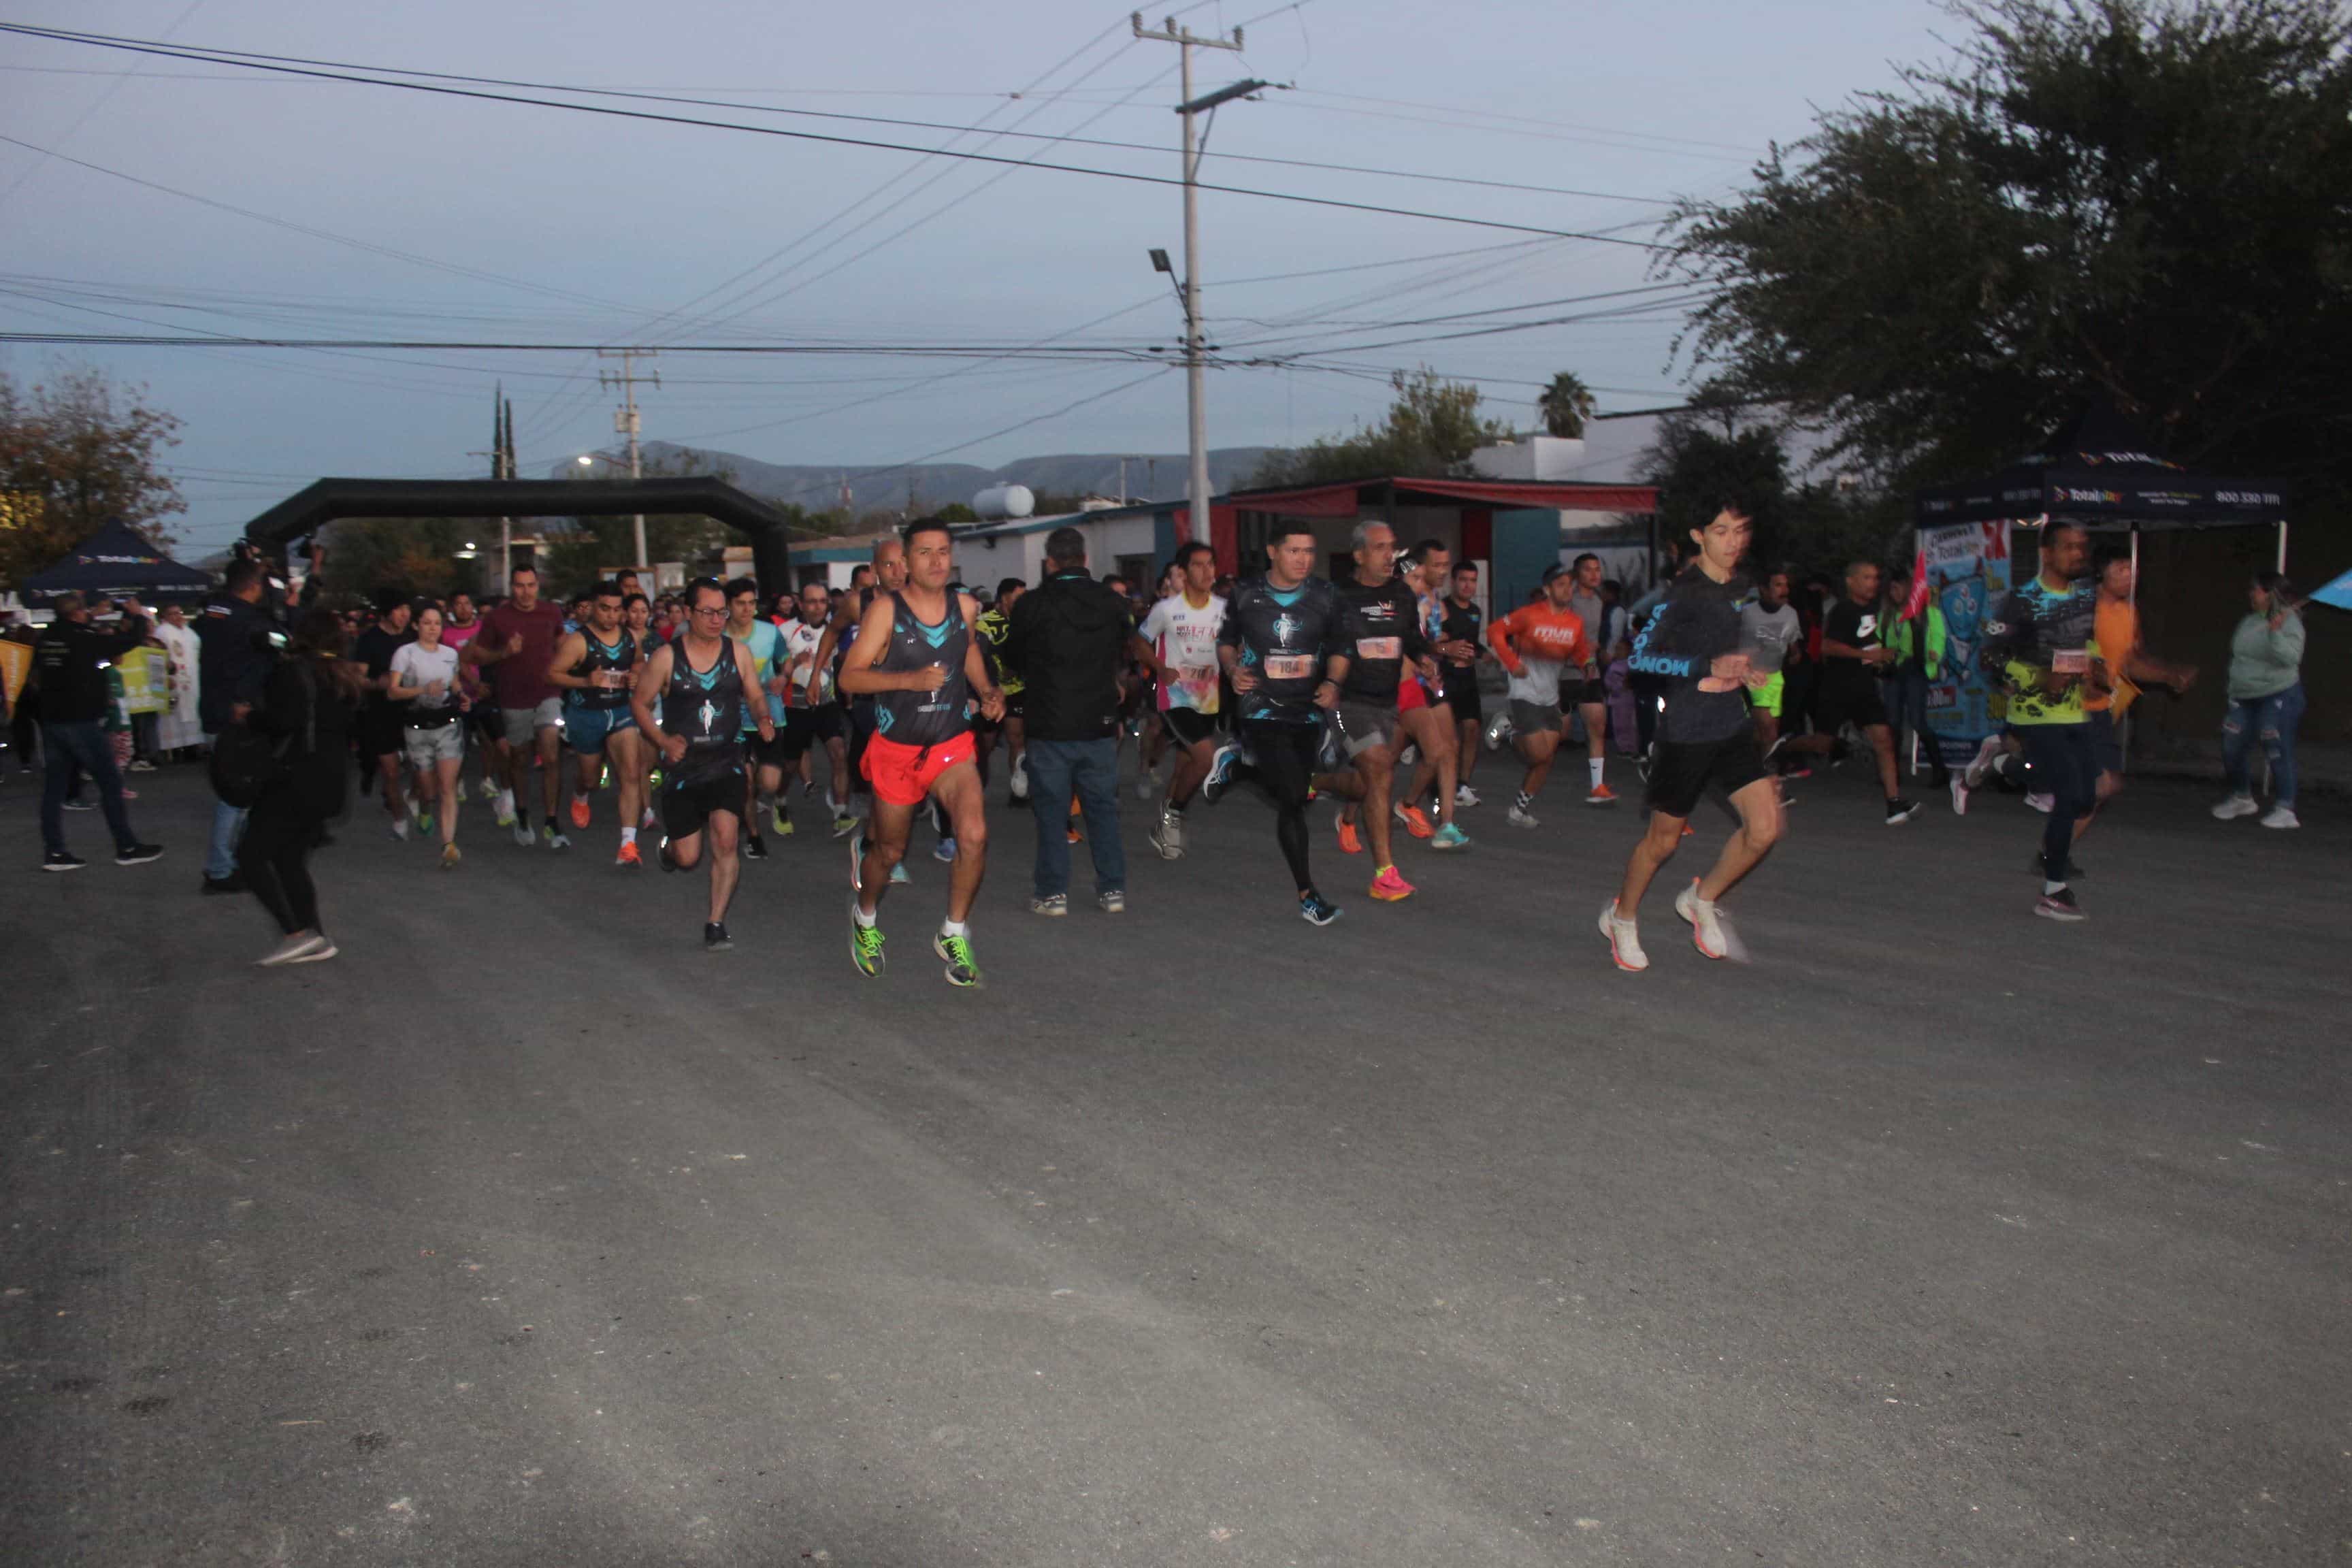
{"x":1967,"y":572}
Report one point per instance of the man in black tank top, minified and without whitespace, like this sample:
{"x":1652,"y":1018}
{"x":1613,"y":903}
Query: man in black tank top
{"x":595,"y":668}
{"x":917,"y":658}
{"x":705,"y":682}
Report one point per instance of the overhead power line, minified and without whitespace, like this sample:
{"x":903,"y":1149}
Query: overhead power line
{"x":446,"y":89}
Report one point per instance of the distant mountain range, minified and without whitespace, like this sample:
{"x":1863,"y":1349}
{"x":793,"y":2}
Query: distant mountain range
{"x":1151,"y":476}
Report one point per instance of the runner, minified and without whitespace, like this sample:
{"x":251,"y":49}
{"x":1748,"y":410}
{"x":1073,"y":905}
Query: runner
{"x":2043,"y":642}
{"x":1852,"y":654}
{"x":1461,"y":644}
{"x":2116,"y":623}
{"x":595,"y":668}
{"x":804,"y":728}
{"x":1705,"y":737}
{"x":1182,"y":634}
{"x":517,"y":640}
{"x":1284,"y":646}
{"x":916,"y":657}
{"x":459,"y":625}
{"x":993,"y":624}
{"x":424,"y":678}
{"x":747,"y":625}
{"x":1769,"y":631}
{"x":1539,"y":644}
{"x":705,"y":682}
{"x":1425,"y":709}
{"x":887,"y":574}
{"x":1385,"y":613}
{"x":1582,"y":688}
{"x":382,"y":718}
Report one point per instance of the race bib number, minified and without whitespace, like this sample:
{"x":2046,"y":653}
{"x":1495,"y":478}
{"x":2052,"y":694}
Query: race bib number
{"x":1289,"y":665}
{"x":2070,"y":661}
{"x":1380,"y":647}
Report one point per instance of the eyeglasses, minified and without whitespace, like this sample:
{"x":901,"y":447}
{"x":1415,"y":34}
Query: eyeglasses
{"x":709,"y":610}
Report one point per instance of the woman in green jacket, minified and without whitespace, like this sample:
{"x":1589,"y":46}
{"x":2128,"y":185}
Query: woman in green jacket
{"x":2265,"y":701}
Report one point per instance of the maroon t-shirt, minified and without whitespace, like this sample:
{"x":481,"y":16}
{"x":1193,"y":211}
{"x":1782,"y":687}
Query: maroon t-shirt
{"x":519,"y":680}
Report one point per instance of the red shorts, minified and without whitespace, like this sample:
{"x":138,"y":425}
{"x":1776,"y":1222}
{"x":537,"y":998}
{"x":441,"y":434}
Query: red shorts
{"x":903,"y":775}
{"x":1410,"y":695}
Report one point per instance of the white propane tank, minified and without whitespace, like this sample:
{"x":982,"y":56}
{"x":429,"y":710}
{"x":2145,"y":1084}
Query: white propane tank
{"x":1000,"y":502}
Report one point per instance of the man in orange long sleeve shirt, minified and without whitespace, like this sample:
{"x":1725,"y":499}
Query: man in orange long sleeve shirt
{"x":1538,"y":644}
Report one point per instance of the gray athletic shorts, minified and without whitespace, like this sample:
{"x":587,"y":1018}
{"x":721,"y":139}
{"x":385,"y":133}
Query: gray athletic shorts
{"x":524,"y":724}
{"x":1533,"y":718}
{"x":1363,"y":725}
{"x":441,"y":744}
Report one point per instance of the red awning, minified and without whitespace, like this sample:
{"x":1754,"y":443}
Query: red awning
{"x":1342,"y":499}
{"x":1316,"y":500}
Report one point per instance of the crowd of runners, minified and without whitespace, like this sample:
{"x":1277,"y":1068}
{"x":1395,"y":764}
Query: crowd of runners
{"x":699,"y":723}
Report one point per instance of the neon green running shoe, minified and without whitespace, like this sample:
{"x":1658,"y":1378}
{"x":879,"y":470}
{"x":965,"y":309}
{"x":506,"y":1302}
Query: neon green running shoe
{"x":865,"y":945}
{"x":955,"y":952}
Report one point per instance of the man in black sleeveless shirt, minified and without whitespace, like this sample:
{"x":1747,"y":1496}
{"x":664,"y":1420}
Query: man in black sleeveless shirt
{"x":706,"y":683}
{"x":916,"y":657}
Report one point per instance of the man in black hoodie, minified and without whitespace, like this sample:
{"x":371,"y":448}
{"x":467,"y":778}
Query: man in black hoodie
{"x":1067,"y":641}
{"x":234,"y":656}
{"x":71,"y":659}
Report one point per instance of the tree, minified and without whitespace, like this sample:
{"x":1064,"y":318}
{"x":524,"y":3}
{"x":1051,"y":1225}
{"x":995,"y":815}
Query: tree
{"x":413,"y":554}
{"x":1566,"y":405}
{"x":1429,"y":431}
{"x":2148,"y":196}
{"x":1716,"y":452}
{"x":77,"y":450}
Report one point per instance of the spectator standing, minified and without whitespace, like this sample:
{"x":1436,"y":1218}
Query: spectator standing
{"x":309,"y":702}
{"x":181,"y":728}
{"x":1067,"y":640}
{"x":1917,"y":644}
{"x":234,"y":652}
{"x":70,"y":660}
{"x":2265,"y":701}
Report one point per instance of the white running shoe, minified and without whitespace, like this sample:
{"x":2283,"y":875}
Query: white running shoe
{"x":1168,"y":837}
{"x":2280,"y":817}
{"x":1706,"y":926}
{"x":2044,"y":803}
{"x":1146,"y":786}
{"x":1499,"y":730}
{"x":1624,"y":940}
{"x":522,"y":833}
{"x":2236,"y":807}
{"x":400,"y":828}
{"x":1017,"y":781}
{"x":556,"y":838}
{"x":1960,"y":794}
{"x":1518,"y":819}
{"x":461,"y":791}
{"x":1465,"y":796}
{"x":1981,"y":763}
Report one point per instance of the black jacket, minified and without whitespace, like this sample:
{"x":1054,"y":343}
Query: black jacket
{"x":301,"y":702}
{"x":1067,"y":641}
{"x":71,"y":659}
{"x":234,"y":657}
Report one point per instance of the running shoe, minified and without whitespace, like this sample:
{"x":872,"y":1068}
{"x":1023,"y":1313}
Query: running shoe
{"x":2044,"y":803}
{"x":425,"y":824}
{"x":1077,"y":834}
{"x":1624,"y":940}
{"x":647,"y":819}
{"x":955,"y":952}
{"x":318,"y":954}
{"x":1220,"y":771}
{"x":521,"y":832}
{"x":77,"y":804}
{"x":140,"y":765}
{"x":865,"y":944}
{"x":844,"y":825}
{"x":667,"y":862}
{"x":715,"y":938}
{"x":1017,"y":781}
{"x":291,"y":949}
{"x":580,"y":811}
{"x":629,"y":855}
{"x":400,"y":828}
{"x":1981,"y":763}
{"x":1146,"y":786}
{"x":1052,"y":906}
{"x":2059,"y":906}
{"x":1465,"y":796}
{"x":60,"y":860}
{"x":1415,"y":821}
{"x":1518,"y":819}
{"x":1390,"y":888}
{"x":754,"y":847}
{"x":1706,"y":926}
{"x":1168,"y":837}
{"x":780,"y":822}
{"x":555,"y":839}
{"x":2280,"y":817}
{"x":505,"y":814}
{"x":1900,"y":811}
{"x":450,"y":856}
{"x":1113,"y":903}
{"x":138,"y":854}
{"x":1315,"y":909}
{"x":1601,"y":794}
{"x":1499,"y":730}
{"x":944,"y":851}
{"x":2237,"y":806}
{"x":461,"y":791}
{"x":1960,"y":794}
{"x":1449,"y":837}
{"x":1349,"y":843}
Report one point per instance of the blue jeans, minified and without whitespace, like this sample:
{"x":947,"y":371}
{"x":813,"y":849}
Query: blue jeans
{"x":1906,"y":710}
{"x":2271,"y":719}
{"x":1090,"y":768}
{"x":229,"y":827}
{"x":63,"y":747}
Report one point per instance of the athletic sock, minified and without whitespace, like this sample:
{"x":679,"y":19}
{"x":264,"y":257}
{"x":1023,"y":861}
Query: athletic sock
{"x":628,"y":835}
{"x":954,"y":928}
{"x":1593,"y":765}
{"x":2049,"y":886}
{"x":1526,"y":800}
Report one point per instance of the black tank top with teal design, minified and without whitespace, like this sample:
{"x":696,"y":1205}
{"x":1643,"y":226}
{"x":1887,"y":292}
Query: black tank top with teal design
{"x":620,"y":655}
{"x":924,"y":718}
{"x":705,"y":707}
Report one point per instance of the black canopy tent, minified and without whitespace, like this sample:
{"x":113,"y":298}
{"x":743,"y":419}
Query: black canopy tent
{"x":115,"y":562}
{"x":769,"y":529}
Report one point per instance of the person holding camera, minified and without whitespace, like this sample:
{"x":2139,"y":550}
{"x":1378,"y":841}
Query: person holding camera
{"x":71,"y":660}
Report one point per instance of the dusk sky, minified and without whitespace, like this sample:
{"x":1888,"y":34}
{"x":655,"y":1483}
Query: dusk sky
{"x":409,"y":215}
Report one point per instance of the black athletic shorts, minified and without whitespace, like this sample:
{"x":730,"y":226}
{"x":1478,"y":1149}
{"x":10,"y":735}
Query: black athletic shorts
{"x":1838,"y":704}
{"x":1681,"y":772}
{"x":1188,"y":727}
{"x":775,"y":753}
{"x":1462,"y":695}
{"x":796,"y":735}
{"x":687,"y":804}
{"x":381,"y":733}
{"x":1575,"y":693}
{"x":827,"y":722}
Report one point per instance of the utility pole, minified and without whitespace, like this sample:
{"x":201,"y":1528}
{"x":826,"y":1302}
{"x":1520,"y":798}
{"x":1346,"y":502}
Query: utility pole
{"x":1189,"y":287}
{"x":502,"y":466}
{"x":626,"y":422}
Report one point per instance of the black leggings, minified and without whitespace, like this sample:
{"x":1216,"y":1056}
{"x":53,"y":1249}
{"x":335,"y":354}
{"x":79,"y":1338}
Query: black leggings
{"x":275,"y":855}
{"x":1287,"y":756}
{"x":2060,"y":763}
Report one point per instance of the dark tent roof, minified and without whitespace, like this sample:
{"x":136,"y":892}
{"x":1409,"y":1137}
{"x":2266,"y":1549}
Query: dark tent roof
{"x":769,"y":531}
{"x":2104,"y":470}
{"x":113,"y":561}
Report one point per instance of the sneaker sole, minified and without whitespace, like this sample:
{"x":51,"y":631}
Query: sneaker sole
{"x":1609,"y":929}
{"x":1392,"y":897}
{"x":1161,"y":845}
{"x":73,"y":868}
{"x":1692,"y":920}
{"x":859,"y":963}
{"x":317,"y":954}
{"x":975,"y":982}
{"x":2069,"y":917}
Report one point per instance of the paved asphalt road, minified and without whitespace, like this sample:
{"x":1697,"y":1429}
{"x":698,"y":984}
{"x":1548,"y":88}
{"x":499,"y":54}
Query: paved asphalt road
{"x":526,"y":1233}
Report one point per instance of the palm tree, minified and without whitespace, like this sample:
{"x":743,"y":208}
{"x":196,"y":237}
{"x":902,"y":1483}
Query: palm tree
{"x":1566,"y":405}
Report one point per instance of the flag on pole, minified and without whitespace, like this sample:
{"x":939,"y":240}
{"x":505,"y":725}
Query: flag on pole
{"x":1914,"y":604}
{"x":2338,"y":593}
